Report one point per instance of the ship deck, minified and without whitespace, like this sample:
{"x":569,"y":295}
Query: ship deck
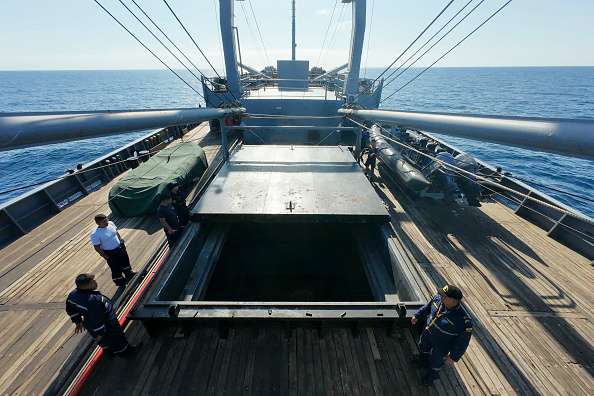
{"x":37,"y":272}
{"x":530,"y":297}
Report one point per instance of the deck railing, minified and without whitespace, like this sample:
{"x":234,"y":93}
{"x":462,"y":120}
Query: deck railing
{"x":22,"y":214}
{"x":575,"y":230}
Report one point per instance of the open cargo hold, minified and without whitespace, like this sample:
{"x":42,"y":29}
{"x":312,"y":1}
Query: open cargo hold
{"x":138,"y":192}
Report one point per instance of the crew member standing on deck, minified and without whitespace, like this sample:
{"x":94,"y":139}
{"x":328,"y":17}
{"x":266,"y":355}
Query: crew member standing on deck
{"x":179,"y":201}
{"x":90,"y":309}
{"x":371,"y":160}
{"x":169,"y":219}
{"x":446,"y":334}
{"x":110,"y":245}
{"x":364,"y":140}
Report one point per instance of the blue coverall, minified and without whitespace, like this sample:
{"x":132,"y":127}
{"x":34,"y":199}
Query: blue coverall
{"x":447,"y":332}
{"x":96,"y":313}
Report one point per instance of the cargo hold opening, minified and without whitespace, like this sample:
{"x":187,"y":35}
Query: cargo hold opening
{"x":289,"y":262}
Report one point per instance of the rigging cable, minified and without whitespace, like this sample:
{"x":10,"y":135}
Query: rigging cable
{"x":256,"y":44}
{"x":450,"y":50}
{"x":407,"y":48}
{"x":78,"y":172}
{"x":197,"y":46}
{"x":147,"y":48}
{"x":218,"y":29}
{"x":332,"y":41}
{"x":326,"y":35}
{"x":462,"y":172}
{"x":167,"y":37}
{"x":369,"y":38}
{"x":260,"y":33}
{"x":427,"y":42}
{"x":163,"y":44}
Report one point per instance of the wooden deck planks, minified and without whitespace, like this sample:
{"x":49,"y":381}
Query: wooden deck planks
{"x":36,"y":274}
{"x":509,"y":263}
{"x":530,"y":297}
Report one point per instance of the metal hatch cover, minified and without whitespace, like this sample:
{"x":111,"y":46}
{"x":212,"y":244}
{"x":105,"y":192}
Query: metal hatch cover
{"x":291,"y":184}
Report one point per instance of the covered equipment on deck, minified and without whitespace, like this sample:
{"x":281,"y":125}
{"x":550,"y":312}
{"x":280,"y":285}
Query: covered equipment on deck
{"x":138,"y":192}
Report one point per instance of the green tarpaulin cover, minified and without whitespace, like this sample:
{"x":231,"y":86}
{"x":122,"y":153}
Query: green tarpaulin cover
{"x":139,"y":192}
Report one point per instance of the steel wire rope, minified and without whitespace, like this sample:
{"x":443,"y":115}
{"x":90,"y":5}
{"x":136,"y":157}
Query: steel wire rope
{"x":512,"y":199}
{"x":256,"y":135}
{"x":219,"y":33}
{"x":450,"y":50}
{"x":172,"y":43}
{"x":148,"y":49}
{"x":253,"y":36}
{"x":260,"y":33}
{"x":327,"y":136}
{"x":511,"y":176}
{"x":369,"y":38}
{"x":458,"y":169}
{"x":427,"y":42}
{"x":163,"y":44}
{"x":79,"y":172}
{"x":256,"y":115}
{"x":429,"y":49}
{"x":334,"y":37}
{"x":326,"y":35}
{"x":197,"y":46}
{"x":407,"y":48}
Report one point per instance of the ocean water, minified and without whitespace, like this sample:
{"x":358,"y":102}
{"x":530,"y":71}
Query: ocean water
{"x":566,"y":92}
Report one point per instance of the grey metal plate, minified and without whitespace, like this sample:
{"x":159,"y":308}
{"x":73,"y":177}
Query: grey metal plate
{"x":291,"y":183}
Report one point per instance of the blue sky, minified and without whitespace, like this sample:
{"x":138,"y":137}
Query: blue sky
{"x":78,"y":34}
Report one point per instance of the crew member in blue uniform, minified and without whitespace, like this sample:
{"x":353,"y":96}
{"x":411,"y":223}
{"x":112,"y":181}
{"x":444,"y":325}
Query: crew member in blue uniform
{"x":168,"y":219}
{"x":178,"y":201}
{"x":446,"y":334}
{"x":90,"y":309}
{"x":371,"y":160}
{"x":364,"y":140}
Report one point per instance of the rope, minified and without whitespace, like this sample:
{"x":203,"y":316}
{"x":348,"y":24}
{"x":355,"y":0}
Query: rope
{"x":407,"y":48}
{"x":147,"y":48}
{"x":335,"y":33}
{"x":514,"y":200}
{"x":326,"y":35}
{"x":369,"y":38}
{"x":176,"y":47}
{"x":450,"y":50}
{"x":457,"y":169}
{"x":197,"y":46}
{"x":256,"y":44}
{"x":160,"y":42}
{"x":79,"y":172}
{"x":260,"y":33}
{"x":254,"y":115}
{"x":219,"y":34}
{"x":427,"y":42}
{"x":257,"y":136}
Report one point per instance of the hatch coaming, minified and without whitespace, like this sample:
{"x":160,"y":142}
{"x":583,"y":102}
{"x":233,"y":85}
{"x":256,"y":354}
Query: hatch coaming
{"x":291,"y":184}
{"x":285,"y":233}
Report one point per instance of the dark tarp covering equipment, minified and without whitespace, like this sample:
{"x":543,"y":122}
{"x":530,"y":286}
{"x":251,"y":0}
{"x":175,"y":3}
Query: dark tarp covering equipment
{"x":139,"y":192}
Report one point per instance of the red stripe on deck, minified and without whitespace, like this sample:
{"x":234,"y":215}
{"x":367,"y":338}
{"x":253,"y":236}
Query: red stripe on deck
{"x":123,"y":320}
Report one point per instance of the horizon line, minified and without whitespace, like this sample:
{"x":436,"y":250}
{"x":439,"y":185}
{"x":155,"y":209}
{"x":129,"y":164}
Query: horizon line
{"x":372,"y":67}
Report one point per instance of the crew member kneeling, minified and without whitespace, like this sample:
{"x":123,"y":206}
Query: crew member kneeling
{"x":447,"y":333}
{"x":90,"y":309}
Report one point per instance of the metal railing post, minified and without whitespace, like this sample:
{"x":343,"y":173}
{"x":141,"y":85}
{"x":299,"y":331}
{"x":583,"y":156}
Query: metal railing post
{"x":224,"y":141}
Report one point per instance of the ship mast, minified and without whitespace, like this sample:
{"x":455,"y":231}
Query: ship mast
{"x":294,"y":45}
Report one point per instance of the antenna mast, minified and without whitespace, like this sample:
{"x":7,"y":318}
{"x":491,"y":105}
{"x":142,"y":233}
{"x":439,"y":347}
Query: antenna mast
{"x":294,"y":45}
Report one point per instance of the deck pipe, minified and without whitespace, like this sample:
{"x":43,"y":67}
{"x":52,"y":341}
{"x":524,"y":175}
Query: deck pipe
{"x":19,"y":130}
{"x":569,"y":137}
